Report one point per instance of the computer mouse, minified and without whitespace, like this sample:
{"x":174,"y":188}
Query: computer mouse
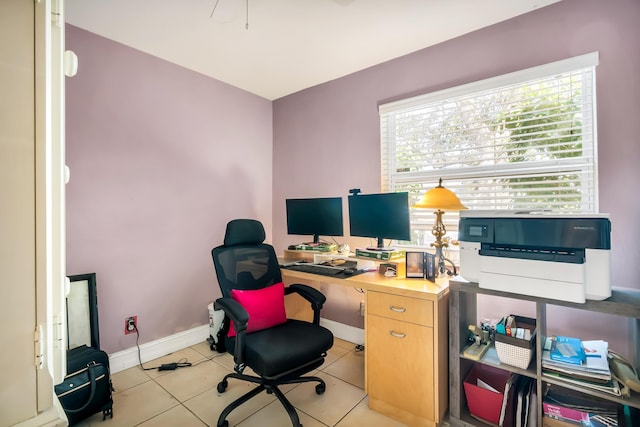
{"x":349,"y":271}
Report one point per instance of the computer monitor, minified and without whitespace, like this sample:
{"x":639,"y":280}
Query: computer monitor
{"x":315,"y":216}
{"x":380,"y":216}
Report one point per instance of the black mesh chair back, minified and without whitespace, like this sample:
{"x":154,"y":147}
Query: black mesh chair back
{"x":244,"y":261}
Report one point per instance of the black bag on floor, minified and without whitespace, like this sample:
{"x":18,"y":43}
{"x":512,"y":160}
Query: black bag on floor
{"x":86,"y":388}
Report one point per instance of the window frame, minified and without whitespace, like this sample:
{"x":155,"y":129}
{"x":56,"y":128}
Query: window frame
{"x":393,"y":181}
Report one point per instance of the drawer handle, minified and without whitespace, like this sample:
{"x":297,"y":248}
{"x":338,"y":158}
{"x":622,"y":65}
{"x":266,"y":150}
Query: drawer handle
{"x":397,"y":334}
{"x":397,"y":309}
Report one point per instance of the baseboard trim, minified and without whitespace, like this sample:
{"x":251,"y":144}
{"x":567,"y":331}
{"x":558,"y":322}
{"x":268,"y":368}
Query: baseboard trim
{"x":128,"y":358}
{"x":345,"y":332}
{"x":51,"y":417}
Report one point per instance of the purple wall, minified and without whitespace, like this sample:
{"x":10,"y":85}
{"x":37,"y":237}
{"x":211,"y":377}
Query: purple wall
{"x":161,"y":158}
{"x":327,"y":137}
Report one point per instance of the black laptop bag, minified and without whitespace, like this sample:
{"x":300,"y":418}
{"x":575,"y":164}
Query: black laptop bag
{"x":86,"y":388}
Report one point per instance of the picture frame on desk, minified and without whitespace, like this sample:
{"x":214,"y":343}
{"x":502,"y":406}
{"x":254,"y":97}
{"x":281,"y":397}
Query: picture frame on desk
{"x":430,"y":267}
{"x":415,"y":265}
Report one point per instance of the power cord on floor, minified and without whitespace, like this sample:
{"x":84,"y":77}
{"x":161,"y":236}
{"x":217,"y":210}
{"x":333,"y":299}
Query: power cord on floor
{"x":182,"y":363}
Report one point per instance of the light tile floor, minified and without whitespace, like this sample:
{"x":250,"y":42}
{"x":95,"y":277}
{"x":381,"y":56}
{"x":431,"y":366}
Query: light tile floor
{"x":187,"y":397}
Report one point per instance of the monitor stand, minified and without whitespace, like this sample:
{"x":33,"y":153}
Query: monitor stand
{"x":383,"y":249}
{"x":380,"y":246}
{"x":309,"y":246}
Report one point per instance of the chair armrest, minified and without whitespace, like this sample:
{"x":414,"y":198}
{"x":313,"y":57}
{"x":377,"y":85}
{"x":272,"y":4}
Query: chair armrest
{"x":307,"y":292}
{"x":314,"y":296}
{"x":240,"y":318}
{"x":234,"y":311}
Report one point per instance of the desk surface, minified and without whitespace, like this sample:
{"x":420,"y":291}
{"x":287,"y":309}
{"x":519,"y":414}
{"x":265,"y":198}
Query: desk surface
{"x":418,"y":288}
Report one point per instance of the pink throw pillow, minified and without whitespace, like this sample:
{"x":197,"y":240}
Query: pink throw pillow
{"x":265,"y":307}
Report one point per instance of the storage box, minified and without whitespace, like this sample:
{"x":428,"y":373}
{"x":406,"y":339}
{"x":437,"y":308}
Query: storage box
{"x":485,"y":404}
{"x":516,"y":351}
{"x":386,"y":267}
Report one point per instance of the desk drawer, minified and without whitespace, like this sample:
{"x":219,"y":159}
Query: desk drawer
{"x":399,"y":307}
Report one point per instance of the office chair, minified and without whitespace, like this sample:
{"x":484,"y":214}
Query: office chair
{"x":277,"y":349}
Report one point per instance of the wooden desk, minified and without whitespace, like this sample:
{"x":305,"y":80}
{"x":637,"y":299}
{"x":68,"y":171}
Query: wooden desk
{"x":406,"y":343}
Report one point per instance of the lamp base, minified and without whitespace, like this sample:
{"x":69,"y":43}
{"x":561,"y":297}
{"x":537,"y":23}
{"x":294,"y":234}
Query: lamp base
{"x":442,"y":261}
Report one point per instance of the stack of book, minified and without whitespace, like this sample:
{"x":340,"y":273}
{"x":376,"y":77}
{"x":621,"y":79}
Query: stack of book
{"x":579,"y":362}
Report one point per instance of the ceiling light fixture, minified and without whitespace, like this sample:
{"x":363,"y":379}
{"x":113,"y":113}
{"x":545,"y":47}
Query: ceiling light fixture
{"x":246,"y":24}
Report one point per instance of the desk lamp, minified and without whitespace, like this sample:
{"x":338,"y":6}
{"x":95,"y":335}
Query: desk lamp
{"x":440,"y":199}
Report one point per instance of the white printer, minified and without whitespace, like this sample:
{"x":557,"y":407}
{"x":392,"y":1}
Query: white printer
{"x":562,"y":257}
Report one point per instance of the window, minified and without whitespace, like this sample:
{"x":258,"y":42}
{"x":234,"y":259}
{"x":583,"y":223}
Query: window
{"x":522,"y":141}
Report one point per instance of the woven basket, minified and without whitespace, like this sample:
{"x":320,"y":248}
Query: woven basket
{"x":515,"y":351}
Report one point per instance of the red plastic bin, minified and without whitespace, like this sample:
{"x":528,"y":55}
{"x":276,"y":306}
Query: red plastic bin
{"x":485,"y":404}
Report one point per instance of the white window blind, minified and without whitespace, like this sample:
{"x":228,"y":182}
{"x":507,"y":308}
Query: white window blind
{"x":524,"y":141}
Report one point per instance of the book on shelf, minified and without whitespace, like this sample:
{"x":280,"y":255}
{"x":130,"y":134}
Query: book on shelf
{"x":523,"y":404}
{"x":610,"y":387}
{"x":533,"y":406}
{"x":517,"y":402}
{"x":507,"y":398}
{"x":576,"y":408}
{"x":567,"y":350}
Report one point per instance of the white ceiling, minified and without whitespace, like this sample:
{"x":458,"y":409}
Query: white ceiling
{"x":288,"y":45}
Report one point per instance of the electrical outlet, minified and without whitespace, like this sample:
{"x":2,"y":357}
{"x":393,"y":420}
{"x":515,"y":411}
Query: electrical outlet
{"x":361,"y":308}
{"x":130,"y":325}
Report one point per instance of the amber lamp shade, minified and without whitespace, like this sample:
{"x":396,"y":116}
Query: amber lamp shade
{"x":440,"y":198}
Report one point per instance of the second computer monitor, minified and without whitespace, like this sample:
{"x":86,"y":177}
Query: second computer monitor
{"x":380,"y":216}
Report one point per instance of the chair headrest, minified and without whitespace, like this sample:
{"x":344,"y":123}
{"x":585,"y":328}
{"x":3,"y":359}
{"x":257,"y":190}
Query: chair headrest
{"x":244,"y":232}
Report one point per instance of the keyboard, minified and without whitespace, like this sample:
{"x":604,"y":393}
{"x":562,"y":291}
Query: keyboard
{"x":324,"y":270}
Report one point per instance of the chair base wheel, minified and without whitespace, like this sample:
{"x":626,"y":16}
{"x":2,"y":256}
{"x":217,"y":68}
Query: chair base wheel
{"x":320,"y":388}
{"x":225,"y":423}
{"x":222,"y":386}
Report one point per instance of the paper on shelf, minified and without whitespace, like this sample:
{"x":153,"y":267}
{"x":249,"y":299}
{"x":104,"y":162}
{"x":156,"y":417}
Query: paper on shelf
{"x":486,"y":386}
